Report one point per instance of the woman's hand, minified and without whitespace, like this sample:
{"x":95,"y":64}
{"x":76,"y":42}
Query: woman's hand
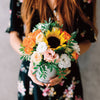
{"x":54,"y":81}
{"x":33,"y":76}
{"x":57,"y":80}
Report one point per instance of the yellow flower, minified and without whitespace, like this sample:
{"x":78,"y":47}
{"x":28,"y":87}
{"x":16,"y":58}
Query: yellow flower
{"x":54,"y":39}
{"x":54,"y":33}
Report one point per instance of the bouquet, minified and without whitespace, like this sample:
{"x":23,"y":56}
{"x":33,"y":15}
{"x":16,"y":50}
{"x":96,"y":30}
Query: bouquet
{"x":50,"y":49}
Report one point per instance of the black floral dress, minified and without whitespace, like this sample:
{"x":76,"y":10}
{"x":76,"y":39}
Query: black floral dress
{"x":68,"y":89}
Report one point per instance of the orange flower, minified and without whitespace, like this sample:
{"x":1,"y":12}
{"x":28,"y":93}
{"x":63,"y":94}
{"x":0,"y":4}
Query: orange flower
{"x":30,"y":40}
{"x":33,"y":35}
{"x":60,"y":30}
{"x":75,"y":55}
{"x":27,"y":42}
{"x":28,"y":50}
{"x":66,"y":35}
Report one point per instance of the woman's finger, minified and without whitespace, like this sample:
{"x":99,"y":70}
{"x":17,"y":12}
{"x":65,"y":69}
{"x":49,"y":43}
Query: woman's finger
{"x":54,"y":81}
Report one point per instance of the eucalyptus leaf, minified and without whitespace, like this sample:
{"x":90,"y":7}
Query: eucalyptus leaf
{"x":34,"y":72}
{"x":36,"y":67}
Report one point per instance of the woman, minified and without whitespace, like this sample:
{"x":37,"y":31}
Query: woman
{"x":74,"y":15}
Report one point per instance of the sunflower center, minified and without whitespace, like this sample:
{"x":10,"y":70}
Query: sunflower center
{"x":53,"y":42}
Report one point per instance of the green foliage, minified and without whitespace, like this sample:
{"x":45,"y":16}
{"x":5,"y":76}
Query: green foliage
{"x":47,"y":25}
{"x":25,"y":57}
{"x":60,"y":50}
{"x":22,"y":49}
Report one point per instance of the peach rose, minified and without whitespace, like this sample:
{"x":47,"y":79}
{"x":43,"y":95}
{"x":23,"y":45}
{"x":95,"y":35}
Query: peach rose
{"x":50,"y":56}
{"x":36,"y":57}
{"x":40,"y":37}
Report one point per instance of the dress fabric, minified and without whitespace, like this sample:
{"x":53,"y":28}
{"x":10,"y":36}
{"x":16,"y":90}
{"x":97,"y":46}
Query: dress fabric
{"x":68,"y":89}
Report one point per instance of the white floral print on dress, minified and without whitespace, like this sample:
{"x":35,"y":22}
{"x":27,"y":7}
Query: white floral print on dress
{"x":21,"y":88}
{"x":48,"y":91}
{"x":31,"y":86}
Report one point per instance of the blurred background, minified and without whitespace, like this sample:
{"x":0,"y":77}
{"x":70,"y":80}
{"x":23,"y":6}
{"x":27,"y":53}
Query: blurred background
{"x":10,"y":62}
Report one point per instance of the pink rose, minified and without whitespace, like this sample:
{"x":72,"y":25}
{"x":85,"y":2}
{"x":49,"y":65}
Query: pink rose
{"x":50,"y":56}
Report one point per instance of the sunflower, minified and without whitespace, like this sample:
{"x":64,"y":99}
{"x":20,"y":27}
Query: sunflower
{"x":55,"y":39}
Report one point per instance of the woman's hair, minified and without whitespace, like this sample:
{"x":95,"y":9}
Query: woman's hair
{"x":67,"y":8}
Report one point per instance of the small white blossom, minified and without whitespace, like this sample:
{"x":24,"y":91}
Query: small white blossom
{"x":42,"y":47}
{"x":40,"y":26}
{"x":76,"y":48}
{"x":65,"y":61}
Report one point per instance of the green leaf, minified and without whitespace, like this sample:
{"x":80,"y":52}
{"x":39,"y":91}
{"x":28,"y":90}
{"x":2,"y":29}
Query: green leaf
{"x":55,"y":61}
{"x":51,"y":69}
{"x":44,"y":67}
{"x":41,"y":75}
{"x":21,"y":45}
{"x":21,"y":57}
{"x":59,"y":76}
{"x":21,"y":49}
{"x":64,"y":77}
{"x":44,"y":76}
{"x":33,"y":63}
{"x":74,"y":41}
{"x":34,"y":72}
{"x":36,"y":67}
{"x":71,"y":44}
{"x":41,"y":69}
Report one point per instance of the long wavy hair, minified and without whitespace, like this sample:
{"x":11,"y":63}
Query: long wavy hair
{"x":67,"y":9}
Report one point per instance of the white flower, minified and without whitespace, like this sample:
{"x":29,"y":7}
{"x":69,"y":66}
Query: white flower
{"x":42,"y":47}
{"x":39,"y":25}
{"x":65,"y":61}
{"x":36,"y":57}
{"x":76,"y":48}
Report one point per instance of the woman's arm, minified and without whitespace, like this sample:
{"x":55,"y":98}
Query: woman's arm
{"x":84,"y":46}
{"x":15,"y":41}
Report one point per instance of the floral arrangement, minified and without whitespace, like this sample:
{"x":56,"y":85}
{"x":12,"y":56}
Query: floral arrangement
{"x":50,"y":47}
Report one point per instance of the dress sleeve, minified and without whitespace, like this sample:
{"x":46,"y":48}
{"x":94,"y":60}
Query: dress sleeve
{"x":16,"y":23}
{"x":86,"y":32}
